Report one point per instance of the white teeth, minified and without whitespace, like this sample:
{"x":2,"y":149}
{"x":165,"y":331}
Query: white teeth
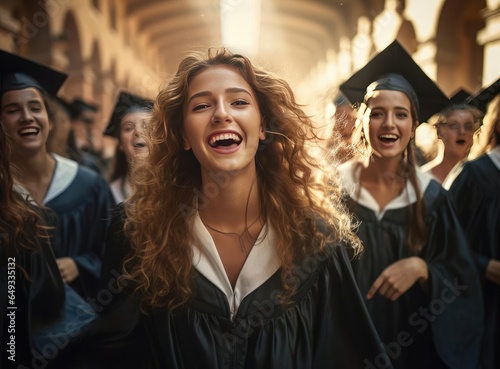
{"x":224,"y":136}
{"x":28,"y":131}
{"x":389,"y":136}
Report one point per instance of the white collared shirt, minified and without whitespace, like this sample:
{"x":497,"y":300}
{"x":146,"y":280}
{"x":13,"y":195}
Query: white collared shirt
{"x":64,"y":174}
{"x":351,"y":184}
{"x":261,"y":264}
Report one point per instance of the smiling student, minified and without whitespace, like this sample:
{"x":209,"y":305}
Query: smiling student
{"x":80,"y":198}
{"x":236,"y":249}
{"x":127,"y":121}
{"x":416,"y":271}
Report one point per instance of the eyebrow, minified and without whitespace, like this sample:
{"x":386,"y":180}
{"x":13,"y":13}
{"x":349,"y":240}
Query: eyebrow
{"x":15,"y":103}
{"x":230,"y":90}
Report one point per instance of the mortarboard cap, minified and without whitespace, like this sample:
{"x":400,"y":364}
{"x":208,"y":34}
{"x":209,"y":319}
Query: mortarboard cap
{"x":17,"y":73}
{"x":394,"y":69}
{"x":460,"y":97}
{"x":483,"y":98}
{"x":126,"y":103}
{"x":78,"y":106}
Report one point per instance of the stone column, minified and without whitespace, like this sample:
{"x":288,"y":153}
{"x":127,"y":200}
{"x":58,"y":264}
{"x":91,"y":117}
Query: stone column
{"x":489,"y":37}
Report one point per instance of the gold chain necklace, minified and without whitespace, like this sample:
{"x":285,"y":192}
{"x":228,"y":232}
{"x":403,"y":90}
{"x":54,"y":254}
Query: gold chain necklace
{"x":246,"y":232}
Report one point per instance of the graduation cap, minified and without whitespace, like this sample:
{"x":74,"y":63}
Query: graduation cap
{"x":394,"y":69}
{"x":67,"y":106}
{"x":483,"y":98}
{"x":125,"y":104}
{"x":460,"y":97}
{"x":18,"y":73}
{"x":78,"y":106}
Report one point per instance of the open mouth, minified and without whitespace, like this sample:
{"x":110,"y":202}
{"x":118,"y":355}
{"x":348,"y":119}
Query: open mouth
{"x":31,"y":131}
{"x":224,"y":140}
{"x":388,"y":138}
{"x":139,"y":145}
{"x":460,"y":142}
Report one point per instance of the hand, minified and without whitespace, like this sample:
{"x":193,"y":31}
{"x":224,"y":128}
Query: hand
{"x":493,"y":271}
{"x":68,"y":269}
{"x":398,"y":277}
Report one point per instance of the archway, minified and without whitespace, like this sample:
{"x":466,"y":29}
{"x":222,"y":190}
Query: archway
{"x":459,"y":58}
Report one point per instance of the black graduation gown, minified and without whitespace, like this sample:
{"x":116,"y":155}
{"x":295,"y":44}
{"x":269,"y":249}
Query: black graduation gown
{"x":38,"y":301}
{"x":476,"y":192}
{"x":438,"y":329}
{"x":327,"y":327}
{"x":83,"y":211}
{"x":49,"y":316}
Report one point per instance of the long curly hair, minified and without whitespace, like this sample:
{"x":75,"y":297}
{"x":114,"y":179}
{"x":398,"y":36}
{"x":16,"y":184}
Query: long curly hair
{"x":299,"y":194}
{"x":21,"y":227}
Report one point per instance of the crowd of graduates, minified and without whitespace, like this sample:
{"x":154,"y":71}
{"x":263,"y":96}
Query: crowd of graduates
{"x":216,"y":237}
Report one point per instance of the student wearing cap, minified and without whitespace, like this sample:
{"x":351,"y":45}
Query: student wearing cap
{"x":233,"y":258}
{"x":416,"y":270}
{"x":455,"y":126}
{"x":80,"y":198}
{"x":129,"y":116}
{"x":476,"y":192}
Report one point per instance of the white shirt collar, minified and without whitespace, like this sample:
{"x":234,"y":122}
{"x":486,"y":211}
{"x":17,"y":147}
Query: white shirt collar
{"x":261,"y":264}
{"x":64,"y":174}
{"x":408,"y":196}
{"x":118,"y":186}
{"x":494,"y":155}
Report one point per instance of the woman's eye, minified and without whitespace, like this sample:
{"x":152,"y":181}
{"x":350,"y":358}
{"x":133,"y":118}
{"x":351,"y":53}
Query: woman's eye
{"x":200,"y":107}
{"x":402,"y":115}
{"x":240,"y":102}
{"x":375,"y":114}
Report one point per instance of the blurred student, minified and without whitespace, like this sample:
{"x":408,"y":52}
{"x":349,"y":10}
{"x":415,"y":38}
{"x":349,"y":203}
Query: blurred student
{"x":476,"y":192}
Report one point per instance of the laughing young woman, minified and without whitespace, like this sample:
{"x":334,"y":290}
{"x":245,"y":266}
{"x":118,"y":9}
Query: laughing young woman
{"x":236,"y":248}
{"x":416,"y":271}
{"x":80,"y":198}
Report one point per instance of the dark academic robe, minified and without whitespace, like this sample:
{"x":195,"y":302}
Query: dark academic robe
{"x":46,"y":317}
{"x":83,"y":209}
{"x":327,"y":325}
{"x":476,"y":192}
{"x":38,"y":300}
{"x":440,"y":328}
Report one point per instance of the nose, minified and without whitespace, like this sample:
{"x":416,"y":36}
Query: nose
{"x":221,"y":114}
{"x":389,"y":121}
{"x":26,"y":115}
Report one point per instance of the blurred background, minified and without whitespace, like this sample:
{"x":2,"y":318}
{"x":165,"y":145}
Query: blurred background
{"x":111,"y":45}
